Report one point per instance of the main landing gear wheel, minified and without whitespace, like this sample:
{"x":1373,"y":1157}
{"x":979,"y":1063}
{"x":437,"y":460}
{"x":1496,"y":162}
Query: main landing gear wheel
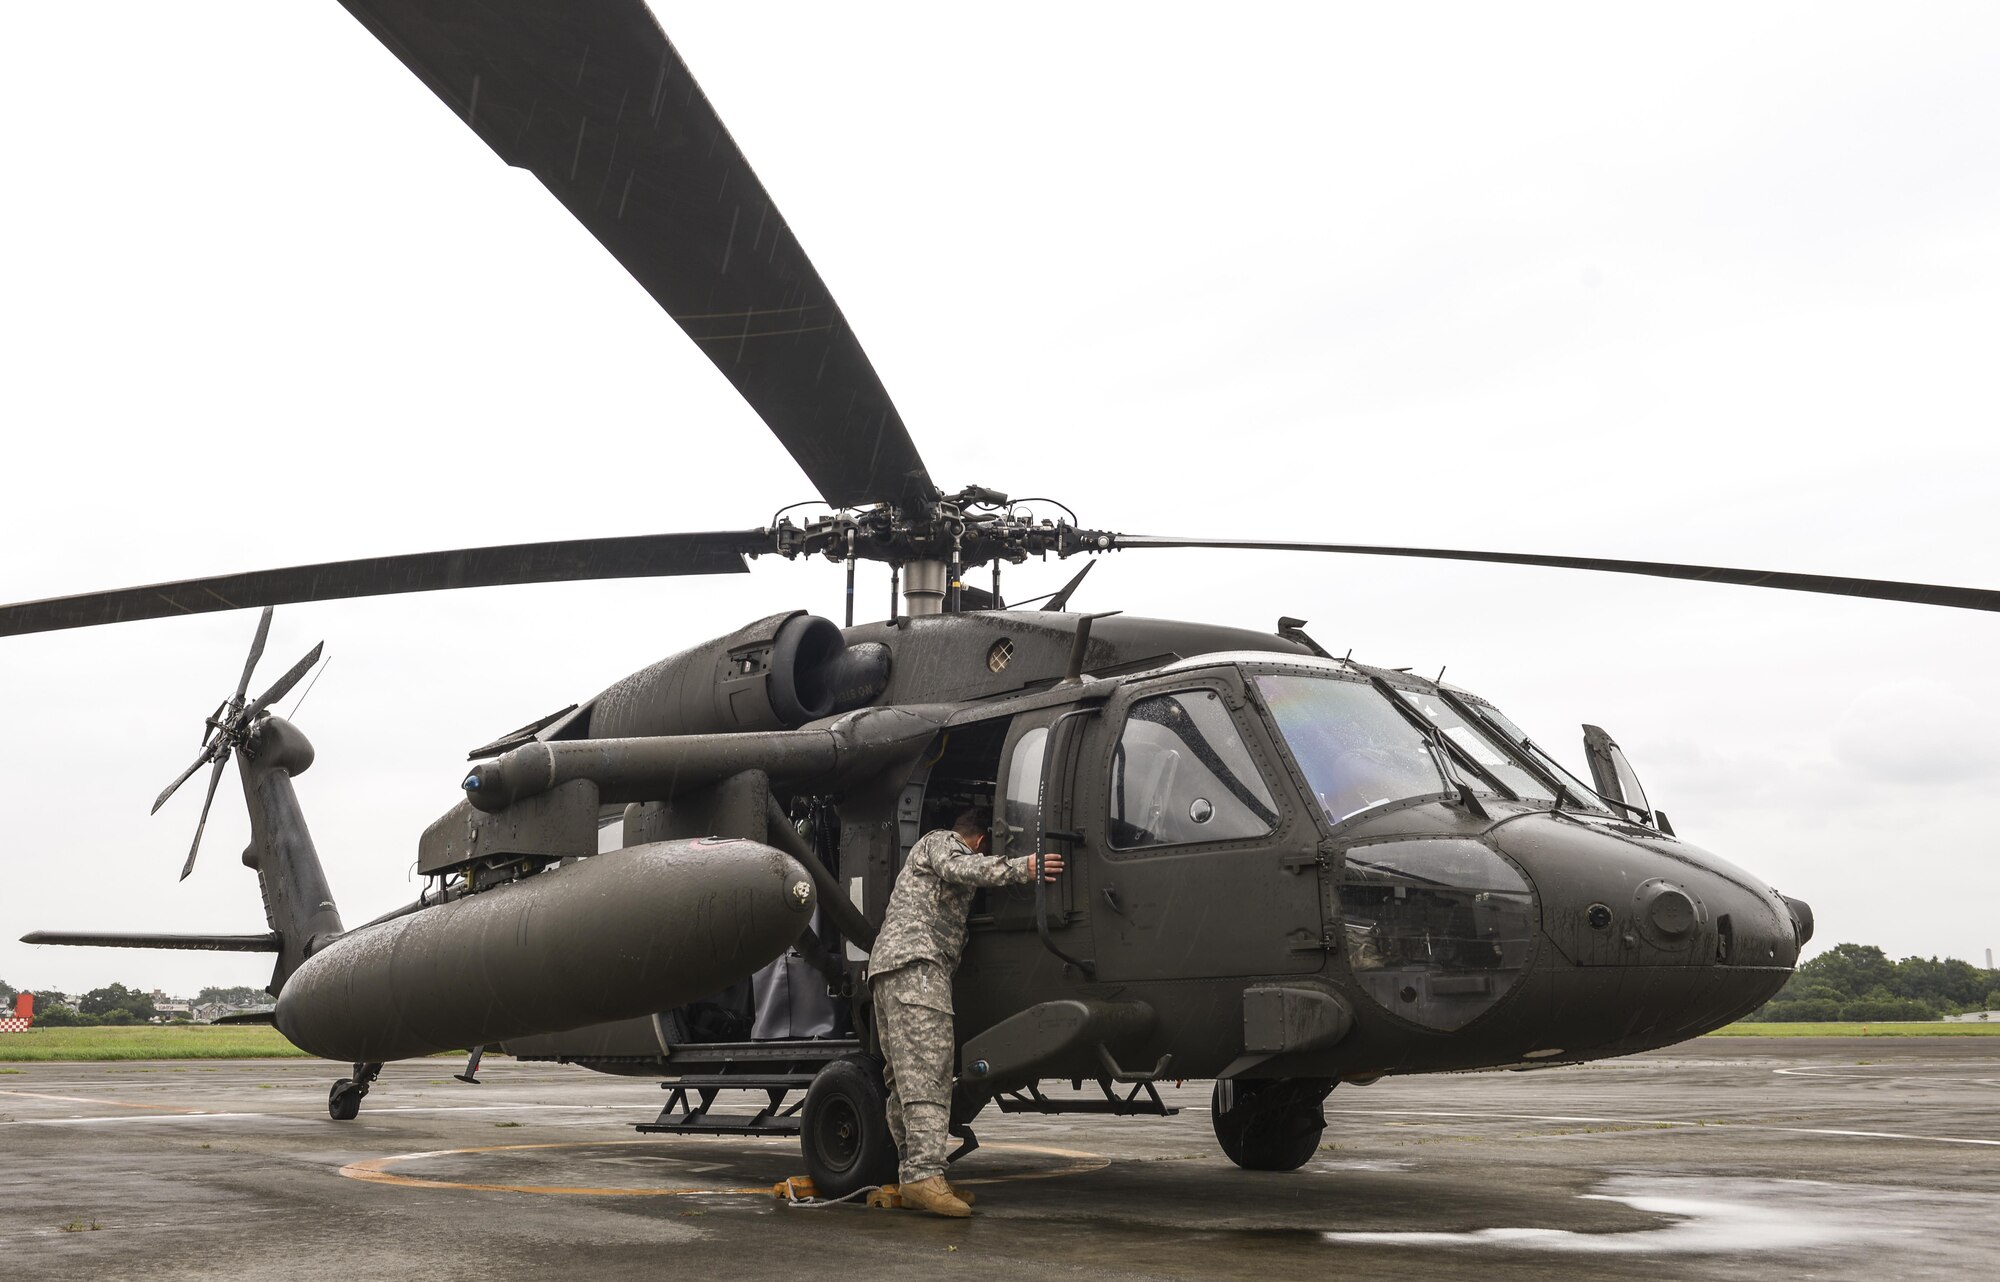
{"x":343,"y":1102}
{"x":1269,"y":1125}
{"x":844,"y":1131}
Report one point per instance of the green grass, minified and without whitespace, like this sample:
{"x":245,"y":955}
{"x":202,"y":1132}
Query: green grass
{"x":1925,"y":1029}
{"x":197,"y":1041}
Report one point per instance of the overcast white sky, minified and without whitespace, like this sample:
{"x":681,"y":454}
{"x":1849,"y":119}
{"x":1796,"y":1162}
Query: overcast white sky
{"x":1704,"y":282}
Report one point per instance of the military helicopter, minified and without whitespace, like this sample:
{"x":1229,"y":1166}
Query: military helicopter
{"x":1289,"y":870}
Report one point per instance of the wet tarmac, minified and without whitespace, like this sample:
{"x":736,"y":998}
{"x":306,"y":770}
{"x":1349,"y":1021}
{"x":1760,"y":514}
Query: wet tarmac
{"x":1738,"y":1158}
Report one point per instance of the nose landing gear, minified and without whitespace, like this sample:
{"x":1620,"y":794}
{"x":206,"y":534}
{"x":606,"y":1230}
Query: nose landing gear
{"x":343,"y":1102}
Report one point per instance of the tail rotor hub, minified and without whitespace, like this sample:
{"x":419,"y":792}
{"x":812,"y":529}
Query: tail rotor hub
{"x":230,"y":724}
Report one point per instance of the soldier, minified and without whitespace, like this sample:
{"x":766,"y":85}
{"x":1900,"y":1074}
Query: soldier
{"x":910,"y":972}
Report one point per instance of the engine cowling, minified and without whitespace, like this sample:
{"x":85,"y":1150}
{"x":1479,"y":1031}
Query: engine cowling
{"x":775,"y":674}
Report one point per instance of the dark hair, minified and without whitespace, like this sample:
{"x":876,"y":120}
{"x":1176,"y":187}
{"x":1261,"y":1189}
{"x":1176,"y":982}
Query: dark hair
{"x":973,"y":821}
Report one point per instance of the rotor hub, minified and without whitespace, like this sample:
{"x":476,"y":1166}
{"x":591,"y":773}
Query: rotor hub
{"x":963,"y":531}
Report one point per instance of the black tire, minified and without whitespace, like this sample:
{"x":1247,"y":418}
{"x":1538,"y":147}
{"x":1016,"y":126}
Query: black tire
{"x":1269,"y":1125}
{"x":844,"y":1130}
{"x":343,"y":1102}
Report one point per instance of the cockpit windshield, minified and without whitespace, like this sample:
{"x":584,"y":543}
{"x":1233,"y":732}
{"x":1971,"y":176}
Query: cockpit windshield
{"x":1355,"y":750}
{"x":1575,"y":791}
{"x":1479,"y":743}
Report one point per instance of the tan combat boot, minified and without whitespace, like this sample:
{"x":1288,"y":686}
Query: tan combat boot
{"x":964,"y":1195}
{"x":935,"y":1196}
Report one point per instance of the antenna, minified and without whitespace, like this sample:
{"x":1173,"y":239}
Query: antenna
{"x":1060,"y":601}
{"x":1075,"y":674}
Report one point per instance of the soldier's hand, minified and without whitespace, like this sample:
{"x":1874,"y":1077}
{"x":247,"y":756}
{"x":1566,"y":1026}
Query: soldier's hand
{"x":1049,"y":864}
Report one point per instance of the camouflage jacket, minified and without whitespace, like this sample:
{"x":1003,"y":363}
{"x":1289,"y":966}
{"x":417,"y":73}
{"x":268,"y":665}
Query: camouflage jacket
{"x":927,"y":910}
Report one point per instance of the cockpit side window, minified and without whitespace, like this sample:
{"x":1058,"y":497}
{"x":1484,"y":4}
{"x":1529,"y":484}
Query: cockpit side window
{"x":1020,"y":819}
{"x":1181,"y":774}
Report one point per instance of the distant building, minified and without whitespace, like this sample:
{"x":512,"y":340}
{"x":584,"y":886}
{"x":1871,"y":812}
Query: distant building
{"x":167,"y":1009}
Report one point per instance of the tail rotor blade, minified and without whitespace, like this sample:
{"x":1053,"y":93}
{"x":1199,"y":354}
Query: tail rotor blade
{"x":207,"y":752}
{"x":256,"y":653}
{"x":284,"y":684}
{"x":214,"y":778}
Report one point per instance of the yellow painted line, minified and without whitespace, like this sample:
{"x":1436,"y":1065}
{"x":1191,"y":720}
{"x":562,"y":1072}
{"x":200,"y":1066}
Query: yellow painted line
{"x":376,"y":1170}
{"x":109,"y":1103}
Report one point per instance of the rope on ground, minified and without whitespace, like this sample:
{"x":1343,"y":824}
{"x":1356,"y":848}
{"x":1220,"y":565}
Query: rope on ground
{"x":800,"y":1190}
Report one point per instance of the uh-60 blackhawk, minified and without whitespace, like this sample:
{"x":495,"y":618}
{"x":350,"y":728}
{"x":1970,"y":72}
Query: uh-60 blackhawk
{"x":1286,"y":870}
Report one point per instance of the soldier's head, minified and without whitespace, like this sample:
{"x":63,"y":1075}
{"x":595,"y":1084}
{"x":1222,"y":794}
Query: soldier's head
{"x":971,"y":826}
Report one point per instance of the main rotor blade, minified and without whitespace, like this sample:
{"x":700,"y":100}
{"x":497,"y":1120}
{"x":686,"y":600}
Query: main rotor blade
{"x":589,"y":96}
{"x":1828,"y":584}
{"x":563,"y":561}
{"x":283,"y":685}
{"x":214,"y":778}
{"x":256,"y":653}
{"x":207,"y":754}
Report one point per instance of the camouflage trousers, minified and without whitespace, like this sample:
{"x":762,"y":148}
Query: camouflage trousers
{"x":913,"y":1022}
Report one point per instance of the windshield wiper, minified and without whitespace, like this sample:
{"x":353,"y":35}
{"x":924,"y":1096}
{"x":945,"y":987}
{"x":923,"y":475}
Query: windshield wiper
{"x":1539,"y":763}
{"x":1449,"y":755}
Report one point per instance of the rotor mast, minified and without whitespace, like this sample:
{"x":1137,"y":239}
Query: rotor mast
{"x":924,"y":585}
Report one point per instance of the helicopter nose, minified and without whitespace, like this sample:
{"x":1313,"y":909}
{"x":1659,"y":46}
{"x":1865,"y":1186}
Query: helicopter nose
{"x":1655,"y":939}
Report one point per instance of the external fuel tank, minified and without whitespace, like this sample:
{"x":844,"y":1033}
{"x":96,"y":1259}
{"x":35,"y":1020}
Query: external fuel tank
{"x":609,"y":937}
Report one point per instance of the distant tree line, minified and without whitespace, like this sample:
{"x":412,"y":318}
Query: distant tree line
{"x":1858,"y":982}
{"x":114,"y":1004}
{"x":117,"y":1004}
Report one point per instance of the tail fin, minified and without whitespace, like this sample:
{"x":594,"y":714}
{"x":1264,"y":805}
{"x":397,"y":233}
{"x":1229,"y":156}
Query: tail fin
{"x":298,"y":905}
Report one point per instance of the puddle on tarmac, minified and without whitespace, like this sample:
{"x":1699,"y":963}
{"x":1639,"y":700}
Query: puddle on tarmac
{"x":1716,"y":1216}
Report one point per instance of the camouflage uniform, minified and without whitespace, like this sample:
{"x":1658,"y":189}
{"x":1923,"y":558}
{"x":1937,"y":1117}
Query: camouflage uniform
{"x":909,"y":974}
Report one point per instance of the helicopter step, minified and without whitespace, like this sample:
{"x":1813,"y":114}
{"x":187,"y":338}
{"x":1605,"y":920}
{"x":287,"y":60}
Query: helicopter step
{"x":777,"y":1068}
{"x":686,"y":1111}
{"x":1142,"y":1101}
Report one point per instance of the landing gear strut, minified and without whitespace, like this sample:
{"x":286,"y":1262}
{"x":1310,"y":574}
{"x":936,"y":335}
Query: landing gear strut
{"x":1271,"y":1125}
{"x":343,"y":1102}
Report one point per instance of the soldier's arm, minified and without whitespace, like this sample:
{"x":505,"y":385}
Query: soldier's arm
{"x":961,"y":867}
